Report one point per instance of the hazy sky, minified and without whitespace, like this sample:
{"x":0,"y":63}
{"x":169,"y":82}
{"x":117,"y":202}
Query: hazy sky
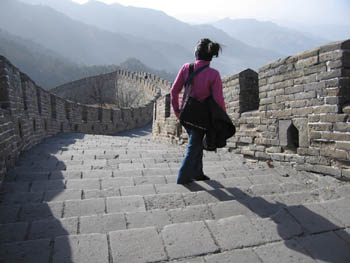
{"x":297,"y":11}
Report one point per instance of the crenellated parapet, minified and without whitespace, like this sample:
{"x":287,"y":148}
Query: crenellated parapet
{"x":84,"y":90}
{"x":295,"y":111}
{"x":29,"y":113}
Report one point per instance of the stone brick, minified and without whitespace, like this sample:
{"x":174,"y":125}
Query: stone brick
{"x":102,"y":223}
{"x":326,"y":109}
{"x":284,"y":98}
{"x":33,"y":212}
{"x":92,"y":248}
{"x":337,"y":154}
{"x":283,"y":113}
{"x":83,"y":184}
{"x":335,"y":64}
{"x":262,"y":156}
{"x":321,"y":126}
{"x":188,"y":240}
{"x":308,"y":151}
{"x":203,"y":197}
{"x":84,"y":207}
{"x":329,"y":74}
{"x":280,"y":227}
{"x":309,"y":53}
{"x":158,"y":218}
{"x":307,"y":62}
{"x":294,"y":89}
{"x":234,"y":232}
{"x":267,"y":101}
{"x":33,"y":251}
{"x":143,"y":180}
{"x":329,"y":118}
{"x":189,"y":214}
{"x":298,"y":103}
{"x":60,"y":195}
{"x":331,"y":83}
{"x":289,"y":250}
{"x":51,"y":228}
{"x":275,"y":93}
{"x":305,"y":95}
{"x":346,"y":173}
{"x":244,"y":255}
{"x":138,"y":190}
{"x":137,"y":245}
{"x":344,"y":234}
{"x":13,"y":232}
{"x":339,"y":210}
{"x":306,"y":79}
{"x":315,"y":69}
{"x":335,"y":136}
{"x":346,"y":108}
{"x":125,"y":204}
{"x":333,"y":91}
{"x":333,"y":55}
{"x":22,"y":198}
{"x":327,"y":247}
{"x":313,"y":218}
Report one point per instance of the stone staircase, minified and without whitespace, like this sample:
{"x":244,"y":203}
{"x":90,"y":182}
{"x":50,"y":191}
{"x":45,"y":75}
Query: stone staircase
{"x":91,"y":198}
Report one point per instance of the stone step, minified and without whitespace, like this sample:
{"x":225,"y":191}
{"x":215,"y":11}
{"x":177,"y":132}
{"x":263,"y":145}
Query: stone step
{"x":110,"y":174}
{"x":114,"y":199}
{"x":113,"y":159}
{"x":71,"y":203}
{"x":299,"y":226}
{"x":34,"y":191}
{"x":102,"y":167}
{"x":120,"y":165}
{"x":107,"y":179}
{"x":106,"y":222}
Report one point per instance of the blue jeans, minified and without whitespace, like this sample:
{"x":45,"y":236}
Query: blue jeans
{"x":192,"y":164}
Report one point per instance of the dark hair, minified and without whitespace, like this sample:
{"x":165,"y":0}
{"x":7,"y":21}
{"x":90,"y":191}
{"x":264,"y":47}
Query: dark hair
{"x":206,"y":49}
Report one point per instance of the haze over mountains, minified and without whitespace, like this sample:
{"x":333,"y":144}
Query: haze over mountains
{"x":269,"y":35}
{"x":47,"y":68}
{"x":100,"y":34}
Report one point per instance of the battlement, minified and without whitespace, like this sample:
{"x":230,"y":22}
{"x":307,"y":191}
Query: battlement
{"x":295,"y":110}
{"x":29,"y":114}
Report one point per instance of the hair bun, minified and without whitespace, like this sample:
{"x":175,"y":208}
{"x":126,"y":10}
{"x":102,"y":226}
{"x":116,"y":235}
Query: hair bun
{"x":206,"y":49}
{"x":213,"y":49}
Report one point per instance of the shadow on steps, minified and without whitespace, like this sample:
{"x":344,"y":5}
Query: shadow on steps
{"x":309,"y":229}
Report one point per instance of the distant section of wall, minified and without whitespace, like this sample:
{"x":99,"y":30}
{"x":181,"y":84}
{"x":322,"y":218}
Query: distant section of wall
{"x":84,"y":90}
{"x":296,"y":111}
{"x":28,"y":113}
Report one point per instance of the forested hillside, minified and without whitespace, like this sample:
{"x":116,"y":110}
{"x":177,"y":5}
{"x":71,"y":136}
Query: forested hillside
{"x":49,"y":69}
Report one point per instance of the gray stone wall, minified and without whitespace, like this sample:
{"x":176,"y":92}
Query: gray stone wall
{"x":301,"y":114}
{"x":82,"y":91}
{"x":29,"y":114}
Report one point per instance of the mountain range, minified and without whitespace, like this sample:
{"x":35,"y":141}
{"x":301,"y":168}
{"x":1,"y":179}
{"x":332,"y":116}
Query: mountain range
{"x":99,"y":34}
{"x":90,"y":44}
{"x":49,"y":69}
{"x":269,"y":35}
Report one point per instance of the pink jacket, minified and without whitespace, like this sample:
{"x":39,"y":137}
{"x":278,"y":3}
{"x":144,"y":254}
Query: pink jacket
{"x":206,"y":83}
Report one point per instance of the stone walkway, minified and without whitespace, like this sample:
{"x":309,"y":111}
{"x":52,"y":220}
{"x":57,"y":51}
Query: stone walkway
{"x":111,"y":199}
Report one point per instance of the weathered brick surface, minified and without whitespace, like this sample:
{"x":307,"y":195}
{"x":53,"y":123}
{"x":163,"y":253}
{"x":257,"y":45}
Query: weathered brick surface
{"x":247,"y":211}
{"x":29,"y":114}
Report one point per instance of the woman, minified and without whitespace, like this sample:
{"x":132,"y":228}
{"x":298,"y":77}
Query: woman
{"x":207,"y":83}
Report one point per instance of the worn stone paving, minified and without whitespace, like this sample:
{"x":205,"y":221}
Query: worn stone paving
{"x":108,"y":199}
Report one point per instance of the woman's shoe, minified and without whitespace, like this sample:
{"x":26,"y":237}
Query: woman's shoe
{"x":186,"y":182}
{"x":202,"y":177}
